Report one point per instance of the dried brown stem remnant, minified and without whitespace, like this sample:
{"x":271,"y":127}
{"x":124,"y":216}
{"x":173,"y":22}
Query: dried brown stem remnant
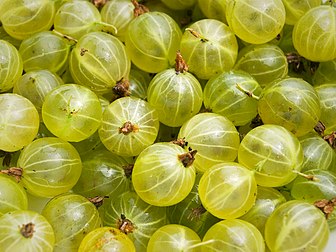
{"x":197,"y":35}
{"x":98,"y":200}
{"x":13,"y":171}
{"x":127,"y":128}
{"x":27,"y":230}
{"x":121,"y":89}
{"x":331,"y":139}
{"x":139,"y":9}
{"x":319,"y":128}
{"x":180,"y":142}
{"x":197,"y":212}
{"x":188,"y":158}
{"x":128,"y":169}
{"x":180,"y":66}
{"x":299,"y":64}
{"x":99,"y":3}
{"x":326,"y":206}
{"x":125,"y":225}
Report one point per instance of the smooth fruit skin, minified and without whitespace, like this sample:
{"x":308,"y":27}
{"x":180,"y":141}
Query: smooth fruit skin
{"x":152,"y":40}
{"x":213,"y":136}
{"x":98,"y":61}
{"x":72,"y":217}
{"x":72,"y":112}
{"x":19,"y":122}
{"x":255,"y":21}
{"x":314,"y":34}
{"x":11,"y":66}
{"x":292,"y":103}
{"x":176,"y":97}
{"x":12,"y":195}
{"x":296,"y":226}
{"x":12,"y":239}
{"x":159,"y":177}
{"x":227,"y":190}
{"x":173,"y":237}
{"x":106,"y":239}
{"x":273,"y":153}
{"x":209,"y":53}
{"x":51,"y":166}
{"x":233,"y":235}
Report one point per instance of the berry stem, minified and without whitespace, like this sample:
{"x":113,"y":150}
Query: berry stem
{"x":180,"y":66}
{"x":197,"y":34}
{"x":125,"y":225}
{"x":319,"y":128}
{"x":306,"y":176}
{"x":98,"y":200}
{"x":128,"y":169}
{"x":105,"y":27}
{"x":127,"y":128}
{"x":121,"y":88}
{"x":248,"y":93}
{"x":16,"y":172}
{"x":27,"y":230}
{"x":180,"y":142}
{"x":67,"y":37}
{"x":139,"y":9}
{"x":188,"y":158}
{"x":99,"y":3}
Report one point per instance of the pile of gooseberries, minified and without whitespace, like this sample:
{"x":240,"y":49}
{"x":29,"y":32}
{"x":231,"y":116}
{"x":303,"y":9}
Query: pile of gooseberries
{"x":167,"y":125}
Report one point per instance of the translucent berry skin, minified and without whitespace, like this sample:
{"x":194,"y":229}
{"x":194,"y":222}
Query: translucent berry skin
{"x":209,"y":53}
{"x":228,"y":235}
{"x":325,"y":73}
{"x":19,"y":122}
{"x":266,"y":63}
{"x":145,"y":219}
{"x":268,"y":199}
{"x":295,"y":9}
{"x":11,"y":66}
{"x":51,"y":166}
{"x":318,"y":154}
{"x":255,"y":21}
{"x":72,"y":112}
{"x":12,"y":195}
{"x":35,"y":85}
{"x":174,"y":237}
{"x":140,"y":114}
{"x":191,"y":213}
{"x":119,"y":14}
{"x":328,"y":106}
{"x":159,"y":177}
{"x":106,"y":239}
{"x":176,"y":96}
{"x":314,"y":34}
{"x":22,"y":19}
{"x":213,"y":136}
{"x":226,"y":95}
{"x":214,"y":9}
{"x":227,"y":190}
{"x":12,"y":238}
{"x":160,"y":36}
{"x":77,"y":18}
{"x":292,"y":103}
{"x":99,"y":61}
{"x":45,"y":51}
{"x":296,"y":226}
{"x":323,"y":187}
{"x":273,"y":152}
{"x":72,"y":217}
